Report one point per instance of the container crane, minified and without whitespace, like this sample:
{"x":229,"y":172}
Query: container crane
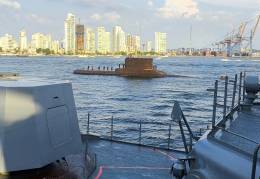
{"x":252,"y":35}
{"x":236,"y":42}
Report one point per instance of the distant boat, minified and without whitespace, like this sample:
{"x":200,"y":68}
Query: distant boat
{"x":225,"y":60}
{"x":83,"y":56}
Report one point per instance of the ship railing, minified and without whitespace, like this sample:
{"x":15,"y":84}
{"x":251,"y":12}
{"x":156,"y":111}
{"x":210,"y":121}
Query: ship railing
{"x":227,"y":98}
{"x":90,"y":159}
{"x":163,"y":135}
{"x":237,"y":97}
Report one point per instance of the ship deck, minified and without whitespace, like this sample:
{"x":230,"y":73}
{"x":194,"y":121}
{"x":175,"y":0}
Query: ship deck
{"x":123,"y":160}
{"x":247,"y":124}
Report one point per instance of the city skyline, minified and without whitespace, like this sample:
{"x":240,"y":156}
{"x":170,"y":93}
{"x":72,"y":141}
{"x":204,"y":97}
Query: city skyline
{"x":210,"y":20}
{"x":80,"y":40}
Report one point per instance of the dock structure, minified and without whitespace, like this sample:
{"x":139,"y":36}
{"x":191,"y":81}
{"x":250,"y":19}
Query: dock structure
{"x":133,"y":67}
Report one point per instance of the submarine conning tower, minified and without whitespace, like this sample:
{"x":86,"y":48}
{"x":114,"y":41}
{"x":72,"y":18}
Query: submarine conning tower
{"x":139,"y":67}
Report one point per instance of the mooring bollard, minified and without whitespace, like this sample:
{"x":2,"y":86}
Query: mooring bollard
{"x":88,"y":124}
{"x":140,"y":132}
{"x":112,"y":126}
{"x":169,"y":135}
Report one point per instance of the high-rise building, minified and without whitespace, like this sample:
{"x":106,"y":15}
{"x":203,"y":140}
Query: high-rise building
{"x":107,"y":42}
{"x":90,"y":41}
{"x":8,"y":43}
{"x":23,"y":41}
{"x":79,"y":38}
{"x":119,"y":40}
{"x":55,"y":46}
{"x":37,"y":41}
{"x":70,"y":40}
{"x":137,"y":40}
{"x":47,"y":42}
{"x":41,"y":41}
{"x":103,"y":41}
{"x":160,"y":42}
{"x":148,"y":46}
{"x":133,"y":43}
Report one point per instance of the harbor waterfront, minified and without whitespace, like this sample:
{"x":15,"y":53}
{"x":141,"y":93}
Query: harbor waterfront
{"x":131,"y":100}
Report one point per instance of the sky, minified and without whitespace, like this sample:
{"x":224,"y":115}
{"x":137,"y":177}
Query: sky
{"x":210,"y":20}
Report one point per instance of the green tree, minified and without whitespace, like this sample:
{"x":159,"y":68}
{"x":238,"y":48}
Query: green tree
{"x":38,"y":50}
{"x":1,"y":49}
{"x":46,"y":51}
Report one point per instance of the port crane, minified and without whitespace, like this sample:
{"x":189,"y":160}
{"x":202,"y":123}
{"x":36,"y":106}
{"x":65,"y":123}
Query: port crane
{"x":237,"y":42}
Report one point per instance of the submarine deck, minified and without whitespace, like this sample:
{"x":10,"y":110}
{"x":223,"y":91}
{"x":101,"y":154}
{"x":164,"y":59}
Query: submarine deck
{"x":122,"y":160}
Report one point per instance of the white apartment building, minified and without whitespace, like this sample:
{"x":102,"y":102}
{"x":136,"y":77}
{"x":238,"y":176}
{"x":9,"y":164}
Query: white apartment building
{"x":160,"y":42}
{"x":90,"y":41}
{"x":70,"y":34}
{"x":23,"y":44}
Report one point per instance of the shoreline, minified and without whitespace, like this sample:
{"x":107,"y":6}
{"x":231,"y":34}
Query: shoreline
{"x":119,"y":56}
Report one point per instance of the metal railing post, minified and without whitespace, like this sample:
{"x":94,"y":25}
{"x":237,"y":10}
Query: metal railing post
{"x":240,"y":87}
{"x":244,"y":90}
{"x":215,"y":104}
{"x":225,"y":97}
{"x":140,"y":132}
{"x":169,"y":135}
{"x":183,"y":138}
{"x":88,"y":124}
{"x":112,"y":128}
{"x":234,"y":93}
{"x":254,"y":162}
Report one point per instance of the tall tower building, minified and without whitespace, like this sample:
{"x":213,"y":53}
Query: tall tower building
{"x":160,"y":42}
{"x":90,"y":41}
{"x":23,"y":41}
{"x":41,"y":41}
{"x":70,"y":40}
{"x":79,"y":38}
{"x":133,"y":43}
{"x":47,"y":41}
{"x":8,"y":43}
{"x":119,"y":40}
{"x":107,"y":42}
{"x":148,"y":46}
{"x":103,"y":41}
{"x":137,"y":40}
{"x":38,"y":41}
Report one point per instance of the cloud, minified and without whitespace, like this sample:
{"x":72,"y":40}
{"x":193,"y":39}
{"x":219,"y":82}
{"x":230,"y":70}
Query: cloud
{"x":233,"y":3}
{"x":110,"y":16}
{"x":96,"y":17}
{"x":37,"y":18}
{"x":178,"y":9}
{"x":150,"y":3}
{"x":10,"y":3}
